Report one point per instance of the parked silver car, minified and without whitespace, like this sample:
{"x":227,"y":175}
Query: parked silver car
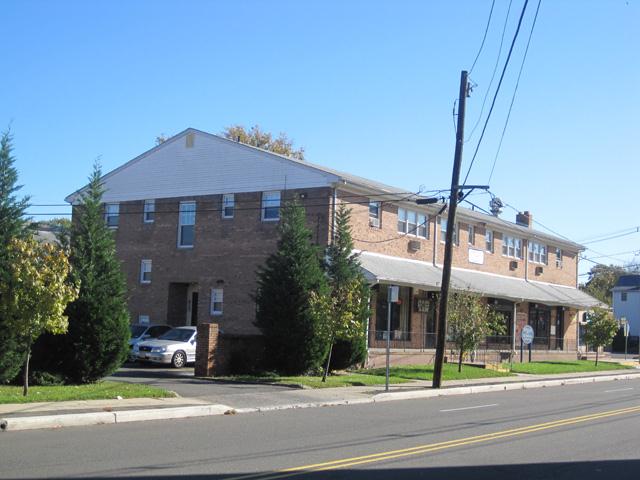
{"x":177,"y":347}
{"x":140,"y":333}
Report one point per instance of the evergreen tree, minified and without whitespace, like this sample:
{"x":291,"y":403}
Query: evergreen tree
{"x":291,"y":327}
{"x":13,"y":225}
{"x":96,"y":343}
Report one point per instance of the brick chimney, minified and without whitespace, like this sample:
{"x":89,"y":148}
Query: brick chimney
{"x":525,"y":219}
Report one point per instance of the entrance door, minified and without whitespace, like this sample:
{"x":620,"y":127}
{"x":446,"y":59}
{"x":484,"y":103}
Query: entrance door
{"x":194,"y":309}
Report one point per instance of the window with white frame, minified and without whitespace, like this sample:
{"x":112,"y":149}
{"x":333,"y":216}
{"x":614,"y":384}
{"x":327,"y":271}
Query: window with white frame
{"x":412,"y":223}
{"x":488,"y":240}
{"x":472,"y":235}
{"x":145,"y":271}
{"x":228,"y":205}
{"x":216,"y":301}
{"x":443,"y":231}
{"x":187,"y":224}
{"x":423,"y":225}
{"x":143,"y":319}
{"x":112,"y":214}
{"x":537,"y":253}
{"x":402,"y":220}
{"x":270,"y":206}
{"x":511,"y":246}
{"x":149,"y":211}
{"x":374,"y":213}
{"x":623,"y":296}
{"x":558,"y":258}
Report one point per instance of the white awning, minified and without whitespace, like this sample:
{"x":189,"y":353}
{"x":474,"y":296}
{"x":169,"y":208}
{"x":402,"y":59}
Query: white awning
{"x":379,"y":268}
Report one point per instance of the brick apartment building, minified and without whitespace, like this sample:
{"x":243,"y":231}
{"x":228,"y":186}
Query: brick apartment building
{"x":196,"y":216}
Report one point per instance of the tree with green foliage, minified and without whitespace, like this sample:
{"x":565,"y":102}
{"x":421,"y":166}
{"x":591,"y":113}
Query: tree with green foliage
{"x":600,"y":329}
{"x":602,"y":278}
{"x":347,"y":307}
{"x":13,"y":225}
{"x":39,"y":294}
{"x":469,"y":321}
{"x":96,"y":343}
{"x":256,"y":137}
{"x":294,"y":343}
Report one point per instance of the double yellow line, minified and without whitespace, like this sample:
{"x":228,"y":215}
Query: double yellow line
{"x":432,"y":447}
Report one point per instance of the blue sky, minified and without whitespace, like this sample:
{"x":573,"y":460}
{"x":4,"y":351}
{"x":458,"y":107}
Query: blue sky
{"x":367,"y":87}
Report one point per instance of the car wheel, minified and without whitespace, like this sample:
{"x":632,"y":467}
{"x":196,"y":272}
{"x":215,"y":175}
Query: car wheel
{"x":179,"y":359}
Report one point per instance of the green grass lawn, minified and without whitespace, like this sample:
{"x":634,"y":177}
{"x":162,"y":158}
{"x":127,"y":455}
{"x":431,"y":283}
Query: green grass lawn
{"x":93,"y":391}
{"x":543,"y":368}
{"x":425,"y":372}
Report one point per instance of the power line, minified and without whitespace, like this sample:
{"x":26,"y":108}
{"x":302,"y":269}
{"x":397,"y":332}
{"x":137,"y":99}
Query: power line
{"x":613,"y":237}
{"x":603,"y":235}
{"x":495,"y":96}
{"x":515,"y":90}
{"x":484,"y":37}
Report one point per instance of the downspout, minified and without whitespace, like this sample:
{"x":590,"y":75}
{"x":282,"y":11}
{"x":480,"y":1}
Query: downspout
{"x":333,"y":217}
{"x":526,"y":260}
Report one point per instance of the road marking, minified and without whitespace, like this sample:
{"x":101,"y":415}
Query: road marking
{"x":618,"y":390}
{"x":422,"y":449}
{"x":469,"y":408}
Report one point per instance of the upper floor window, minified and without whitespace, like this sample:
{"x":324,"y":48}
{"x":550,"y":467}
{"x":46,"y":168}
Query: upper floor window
{"x":472,"y":235}
{"x":488,"y":240}
{"x":423,"y":225}
{"x":216,"y":301}
{"x":537,"y":252}
{"x":228,"y":205}
{"x":412,"y":223}
{"x":270,"y":206}
{"x":187,"y":224}
{"x":149,"y":211}
{"x":145,"y":271}
{"x":374,"y":213}
{"x":511,"y":246}
{"x":112,"y":214}
{"x":623,"y":296}
{"x":443,"y":231}
{"x":558,"y":258}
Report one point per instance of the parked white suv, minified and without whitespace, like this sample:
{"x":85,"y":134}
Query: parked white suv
{"x":177,"y":347}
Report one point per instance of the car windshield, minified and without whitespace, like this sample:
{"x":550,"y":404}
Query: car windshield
{"x":137,"y":330}
{"x":180,"y":334}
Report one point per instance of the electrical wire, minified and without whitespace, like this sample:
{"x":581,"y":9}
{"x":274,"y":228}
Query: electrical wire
{"x":495,"y":96}
{"x":493,"y":3}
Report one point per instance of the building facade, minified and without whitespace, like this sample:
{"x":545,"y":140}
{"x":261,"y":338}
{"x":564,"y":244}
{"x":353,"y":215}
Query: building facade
{"x":626,"y":302}
{"x":195,"y":217}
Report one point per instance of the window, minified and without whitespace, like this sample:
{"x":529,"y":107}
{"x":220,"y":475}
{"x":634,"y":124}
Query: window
{"x":623,"y":296}
{"x":511,"y":247}
{"x":402,"y":220}
{"x":111,"y":214}
{"x":374,"y":213}
{"x":443,"y":229}
{"x":216,"y":301}
{"x":228,"y":204}
{"x":143,"y":319}
{"x":412,"y":222}
{"x":472,"y":235}
{"x":558,"y":258}
{"x":187,"y":224}
{"x":423,"y":226}
{"x":149,"y":211}
{"x":270,"y":206}
{"x":488,"y":241}
{"x":145,"y":271}
{"x":537,"y":253}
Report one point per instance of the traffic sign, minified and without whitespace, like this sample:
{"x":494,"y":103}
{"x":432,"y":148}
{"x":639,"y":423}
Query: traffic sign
{"x":527,"y":334}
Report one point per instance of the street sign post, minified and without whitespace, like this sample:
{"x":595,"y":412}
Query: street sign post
{"x":526,"y":338}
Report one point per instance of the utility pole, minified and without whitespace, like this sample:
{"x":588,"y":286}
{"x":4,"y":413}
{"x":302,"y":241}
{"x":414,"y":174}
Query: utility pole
{"x":451,"y":227}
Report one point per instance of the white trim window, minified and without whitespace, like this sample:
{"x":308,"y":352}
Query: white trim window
{"x":187,"y":224}
{"x":271,"y":206}
{"x":149,"y":211}
{"x":112,"y":214}
{"x":558,"y":257}
{"x":216,"y":301}
{"x":537,"y":253}
{"x":443,"y":231}
{"x":145,"y":271}
{"x":413,"y":223}
{"x":228,"y":205}
{"x":402,"y":220}
{"x":374,"y":213}
{"x":511,"y":246}
{"x":488,"y":240}
{"x":472,"y":235}
{"x":423,"y":225}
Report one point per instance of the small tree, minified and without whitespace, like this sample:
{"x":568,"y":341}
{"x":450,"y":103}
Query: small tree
{"x":291,"y":326}
{"x":600,"y":329}
{"x":96,"y":343}
{"x":256,"y":137}
{"x":347,"y":309}
{"x":39,"y":294}
{"x":13,"y":224}
{"x":470,"y":320}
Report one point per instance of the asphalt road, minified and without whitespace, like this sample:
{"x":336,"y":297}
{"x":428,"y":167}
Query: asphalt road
{"x":581,"y":431}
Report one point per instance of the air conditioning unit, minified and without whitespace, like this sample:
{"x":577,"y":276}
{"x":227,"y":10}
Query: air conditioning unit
{"x":513,"y":265}
{"x":374,"y":222}
{"x":414,"y":245}
{"x":539,"y":270}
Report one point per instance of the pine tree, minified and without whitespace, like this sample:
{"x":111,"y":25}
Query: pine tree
{"x":13,"y":225}
{"x":292,"y":329}
{"x":96,"y":342}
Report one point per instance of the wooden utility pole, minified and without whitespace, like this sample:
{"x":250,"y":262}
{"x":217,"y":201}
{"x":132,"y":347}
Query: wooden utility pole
{"x":451,"y":228}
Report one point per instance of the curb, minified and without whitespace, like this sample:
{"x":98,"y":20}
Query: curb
{"x":102,"y":418}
